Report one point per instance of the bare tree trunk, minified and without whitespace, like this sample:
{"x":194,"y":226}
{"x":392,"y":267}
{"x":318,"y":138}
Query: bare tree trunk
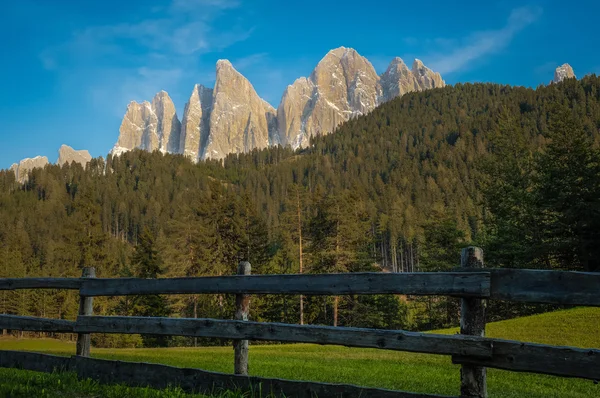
{"x":394,"y":255}
{"x":402,"y":255}
{"x":300,"y":250}
{"x":412,"y":258}
{"x":336,"y":300}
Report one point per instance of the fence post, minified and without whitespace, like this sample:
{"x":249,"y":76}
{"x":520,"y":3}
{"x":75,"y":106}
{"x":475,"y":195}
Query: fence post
{"x":472,"y":322}
{"x":85,"y":308}
{"x":242,"y":307}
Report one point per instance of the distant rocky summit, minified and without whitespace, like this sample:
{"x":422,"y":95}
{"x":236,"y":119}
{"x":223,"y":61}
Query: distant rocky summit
{"x":66,"y":154}
{"x":150,"y":126}
{"x":232,"y":118}
{"x":22,"y":169}
{"x":563,"y":72}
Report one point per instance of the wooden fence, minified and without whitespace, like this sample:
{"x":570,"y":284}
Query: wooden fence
{"x":474,"y":352}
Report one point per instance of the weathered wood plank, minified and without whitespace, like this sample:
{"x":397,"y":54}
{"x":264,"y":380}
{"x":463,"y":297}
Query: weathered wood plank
{"x":351,"y":337}
{"x":86,"y":308}
{"x":473,"y":379}
{"x":542,"y":286}
{"x":39,"y":283}
{"x":33,"y":324}
{"x":540,"y":358}
{"x":34,"y":361}
{"x":242,"y":309}
{"x":162,"y":376}
{"x":433,"y":283}
{"x":190,"y":380}
{"x":534,"y":286}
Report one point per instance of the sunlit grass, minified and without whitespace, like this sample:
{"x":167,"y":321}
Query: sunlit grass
{"x":578,"y":327}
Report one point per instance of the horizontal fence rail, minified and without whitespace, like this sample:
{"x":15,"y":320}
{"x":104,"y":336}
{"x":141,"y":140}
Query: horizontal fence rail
{"x":398,"y":340}
{"x":33,"y":324}
{"x":40,"y":283}
{"x":432,"y":283}
{"x":548,"y":287}
{"x":494,"y":353}
{"x":540,"y":358}
{"x":190,"y":380}
{"x":517,"y":285}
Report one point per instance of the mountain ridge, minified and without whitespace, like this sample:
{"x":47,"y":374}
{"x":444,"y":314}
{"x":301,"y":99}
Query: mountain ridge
{"x":190,"y":135}
{"x":233,"y":118}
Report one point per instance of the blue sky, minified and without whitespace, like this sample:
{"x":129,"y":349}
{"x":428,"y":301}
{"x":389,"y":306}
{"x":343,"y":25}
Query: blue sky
{"x":69,"y":68}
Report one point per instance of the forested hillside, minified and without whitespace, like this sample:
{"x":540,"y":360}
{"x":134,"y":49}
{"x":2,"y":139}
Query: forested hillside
{"x":512,"y":169}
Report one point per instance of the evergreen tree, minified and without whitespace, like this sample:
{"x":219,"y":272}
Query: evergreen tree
{"x":568,"y":194}
{"x":147,"y":263}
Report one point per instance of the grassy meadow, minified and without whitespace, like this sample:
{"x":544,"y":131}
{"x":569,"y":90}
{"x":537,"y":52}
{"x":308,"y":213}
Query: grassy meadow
{"x":578,"y":327}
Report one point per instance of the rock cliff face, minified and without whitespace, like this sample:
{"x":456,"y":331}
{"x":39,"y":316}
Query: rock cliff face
{"x":344,"y":84}
{"x":66,"y":154}
{"x":398,"y":80}
{"x":238,"y":119}
{"x":195,"y":122}
{"x":150,"y":126}
{"x":22,"y":169}
{"x":232,"y":118}
{"x":563,"y":72}
{"x":168,"y":130}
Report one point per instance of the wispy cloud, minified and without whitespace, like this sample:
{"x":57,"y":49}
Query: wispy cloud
{"x":132,"y":60}
{"x":484,"y":43}
{"x":183,"y":28}
{"x":115,"y":88}
{"x":250,"y":60}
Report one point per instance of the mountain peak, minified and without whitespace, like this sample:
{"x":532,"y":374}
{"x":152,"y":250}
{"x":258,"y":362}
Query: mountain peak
{"x":224,"y":64}
{"x":162,"y":95}
{"x":418,"y":65}
{"x":565,"y":71}
{"x":22,"y":169}
{"x":239,"y":120}
{"x":396,"y":61}
{"x":66,"y":154}
{"x":150,"y":126}
{"x":195,"y":122}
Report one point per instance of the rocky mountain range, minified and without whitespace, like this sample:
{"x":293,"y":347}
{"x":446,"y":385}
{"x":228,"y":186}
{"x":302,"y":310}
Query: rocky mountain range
{"x":66,"y":154}
{"x":232,"y":118}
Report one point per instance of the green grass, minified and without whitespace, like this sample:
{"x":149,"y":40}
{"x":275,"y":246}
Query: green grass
{"x":578,"y":327}
{"x":26,"y":384}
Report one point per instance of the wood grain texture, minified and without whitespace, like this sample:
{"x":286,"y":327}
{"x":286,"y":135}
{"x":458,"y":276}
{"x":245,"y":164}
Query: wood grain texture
{"x":242,"y":310}
{"x":473,"y":378}
{"x":86,"y":308}
{"x":540,"y":358}
{"x":351,"y":337}
{"x":541,"y":286}
{"x":34,"y":361}
{"x":432,"y":283}
{"x":190,"y":380}
{"x":33,"y":324}
{"x":39,"y":283}
{"x":161,"y":376}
